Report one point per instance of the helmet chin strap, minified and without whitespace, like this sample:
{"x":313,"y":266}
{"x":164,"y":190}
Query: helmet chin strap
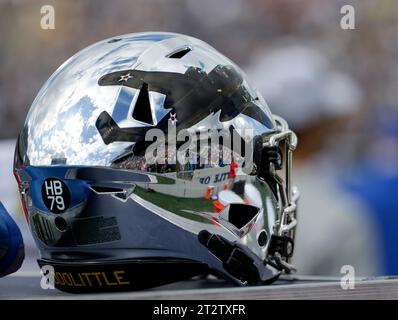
{"x":239,"y":262}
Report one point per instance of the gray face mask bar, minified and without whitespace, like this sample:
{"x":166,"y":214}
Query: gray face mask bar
{"x":280,"y":255}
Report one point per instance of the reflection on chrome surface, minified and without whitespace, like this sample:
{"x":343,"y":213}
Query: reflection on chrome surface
{"x":61,"y":124}
{"x":95,"y":111}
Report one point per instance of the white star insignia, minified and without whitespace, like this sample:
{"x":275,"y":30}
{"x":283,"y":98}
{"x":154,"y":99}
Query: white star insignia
{"x":125,"y":77}
{"x":173,"y":118}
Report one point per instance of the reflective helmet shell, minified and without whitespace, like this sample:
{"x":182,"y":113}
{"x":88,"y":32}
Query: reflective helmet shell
{"x":93,"y":206}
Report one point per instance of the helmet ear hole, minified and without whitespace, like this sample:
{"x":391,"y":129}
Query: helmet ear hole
{"x":142,"y":110}
{"x":262,"y":238}
{"x":60,"y":224}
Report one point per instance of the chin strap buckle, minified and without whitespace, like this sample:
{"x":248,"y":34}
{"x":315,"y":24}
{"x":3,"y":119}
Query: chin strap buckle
{"x":283,"y":245}
{"x":280,"y":251}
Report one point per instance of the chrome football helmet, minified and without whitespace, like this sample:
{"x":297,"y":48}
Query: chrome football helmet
{"x":124,"y":185}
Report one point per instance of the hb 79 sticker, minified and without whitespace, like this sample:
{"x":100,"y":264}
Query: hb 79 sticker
{"x":55,"y":194}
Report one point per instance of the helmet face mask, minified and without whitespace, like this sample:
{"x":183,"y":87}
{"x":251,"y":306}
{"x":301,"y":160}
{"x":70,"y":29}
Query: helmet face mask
{"x":151,"y":159}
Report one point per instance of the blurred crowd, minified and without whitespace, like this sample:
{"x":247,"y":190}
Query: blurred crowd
{"x":337,"y":89}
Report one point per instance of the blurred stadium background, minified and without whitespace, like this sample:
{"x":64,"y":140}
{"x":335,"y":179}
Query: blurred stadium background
{"x":337,"y":88}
